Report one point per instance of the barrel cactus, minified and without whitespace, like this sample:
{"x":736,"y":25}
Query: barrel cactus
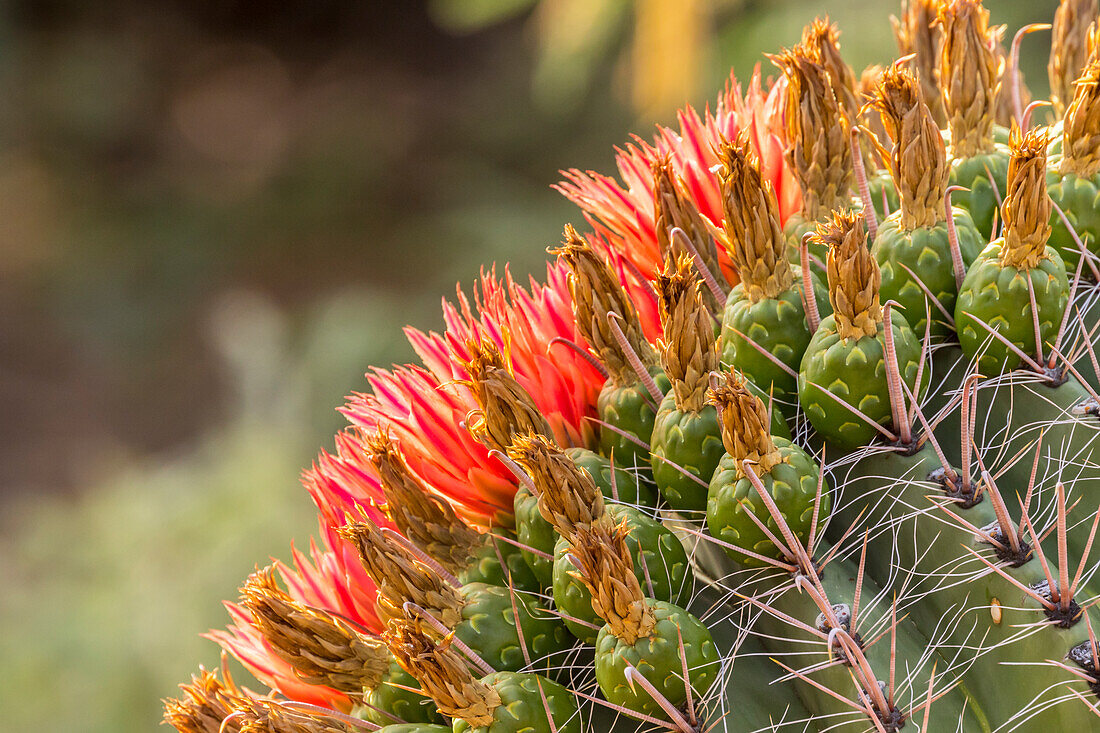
{"x":680,"y":486}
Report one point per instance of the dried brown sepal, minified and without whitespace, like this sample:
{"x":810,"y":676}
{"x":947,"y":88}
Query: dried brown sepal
{"x":322,"y":649}
{"x":969,"y":74}
{"x":746,"y":424}
{"x":427,"y":520}
{"x":1081,"y":126}
{"x":567,"y":496}
{"x":916,"y":32}
{"x":605,"y":566}
{"x":1027,"y":206}
{"x":443,"y":675}
{"x":869,"y":80}
{"x":204,"y":705}
{"x":271,"y":716}
{"x":505,"y":407}
{"x":854,"y":277}
{"x":1068,"y":49}
{"x":596,"y":291}
{"x":400,"y":577}
{"x":918,"y":159}
{"x":755,"y":236}
{"x":817,"y":130}
{"x":1006,"y":106}
{"x":688,"y":350}
{"x":673,"y":207}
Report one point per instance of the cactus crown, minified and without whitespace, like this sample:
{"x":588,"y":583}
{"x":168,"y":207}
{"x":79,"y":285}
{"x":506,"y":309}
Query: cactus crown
{"x":428,"y":521}
{"x":1027,"y":205}
{"x":567,"y":496}
{"x":755,"y":236}
{"x":596,"y":293}
{"x":916,"y":32}
{"x":505,"y":408}
{"x":606,"y":568}
{"x":1068,"y":49}
{"x":918,"y":160}
{"x":1081,"y":130}
{"x":322,"y":649}
{"x":745,"y":424}
{"x":854,"y":277}
{"x":688,"y":351}
{"x":674,"y":208}
{"x":969,"y":72}
{"x":443,"y":675}
{"x":400,"y":577}
{"x":817,"y":132}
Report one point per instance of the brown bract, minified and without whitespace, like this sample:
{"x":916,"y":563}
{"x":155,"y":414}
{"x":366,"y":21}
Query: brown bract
{"x":688,"y":349}
{"x":918,"y":159}
{"x":204,"y":706}
{"x":271,"y":716}
{"x":505,"y":407}
{"x":817,"y":129}
{"x":1068,"y":49}
{"x":746,"y":425}
{"x":400,"y":577}
{"x":755,"y":236}
{"x":443,"y":675}
{"x":567,"y":496}
{"x":427,"y":520}
{"x":969,"y":73}
{"x":1027,"y":207}
{"x":673,"y":207}
{"x":1081,"y":126}
{"x":854,"y":277}
{"x":596,"y":292}
{"x":916,"y":32}
{"x":606,"y":568}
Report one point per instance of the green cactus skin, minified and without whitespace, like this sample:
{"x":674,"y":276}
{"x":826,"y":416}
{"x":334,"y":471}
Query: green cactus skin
{"x":389,"y":697}
{"x":414,"y":728}
{"x":666,"y":566}
{"x":532,"y":531}
{"x":1079,"y":199}
{"x":1005,"y":677}
{"x":522,"y":710}
{"x":685,"y":441}
{"x":629,"y":487}
{"x":630,"y":409}
{"x":488,"y":627}
{"x":927,"y":252}
{"x":855,"y":371}
{"x":779,"y":326}
{"x":982,"y":199}
{"x":485,"y":567}
{"x":793,"y":486}
{"x":657,"y":658}
{"x":838,"y":581}
{"x":796,"y":227}
{"x":999,"y":296}
{"x":881,"y":183}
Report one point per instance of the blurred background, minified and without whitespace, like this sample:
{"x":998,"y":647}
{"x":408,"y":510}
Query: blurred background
{"x":216,"y":214}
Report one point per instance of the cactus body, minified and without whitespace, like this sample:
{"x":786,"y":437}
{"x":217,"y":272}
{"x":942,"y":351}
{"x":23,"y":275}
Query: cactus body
{"x":682,"y":442}
{"x":522,"y":708}
{"x":855,"y":371}
{"x":489,"y":627}
{"x":485,"y":565}
{"x":657,"y":657}
{"x":630,"y":409}
{"x":390,"y":698}
{"x":778,"y":325}
{"x":999,"y":296}
{"x":618,"y":485}
{"x":986,"y":175}
{"x":1079,"y":199}
{"x":927,"y":255}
